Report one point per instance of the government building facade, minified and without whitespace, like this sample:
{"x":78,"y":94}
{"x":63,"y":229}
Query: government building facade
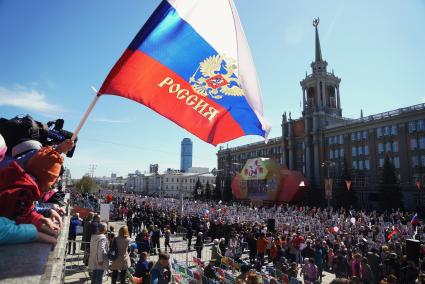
{"x":322,"y":142}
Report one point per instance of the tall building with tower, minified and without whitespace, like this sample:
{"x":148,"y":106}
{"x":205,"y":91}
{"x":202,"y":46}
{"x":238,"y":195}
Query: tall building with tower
{"x":322,"y":142}
{"x":186,"y":155}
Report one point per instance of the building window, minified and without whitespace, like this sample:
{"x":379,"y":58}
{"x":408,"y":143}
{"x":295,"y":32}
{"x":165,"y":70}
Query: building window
{"x":381,"y":162}
{"x":359,"y":135}
{"x":394,"y":130}
{"x":364,"y":134}
{"x":341,"y":152}
{"x":388,"y":147}
{"x":415,"y":161}
{"x":380,"y":148}
{"x":396,"y":162}
{"x":413,"y":144}
{"x":423,"y":160}
{"x":361,"y":165}
{"x":354,"y":165}
{"x":166,"y":179}
{"x":353,"y":151}
{"x":379,"y":132}
{"x":421,"y":125}
{"x":412,"y":126}
{"x":386,"y":130}
{"x":331,"y":154}
{"x":336,"y":154}
{"x":166,"y":187}
{"x":353,"y":136}
{"x":360,"y":150}
{"x":366,"y":150}
{"x":422,"y":143}
{"x":341,"y":139}
{"x":395,"y":147}
{"x":172,"y":179}
{"x":366,"y":165}
{"x":330,"y":140}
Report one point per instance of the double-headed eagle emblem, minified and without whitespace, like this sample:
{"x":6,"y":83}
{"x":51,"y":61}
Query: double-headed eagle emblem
{"x":215,"y":77}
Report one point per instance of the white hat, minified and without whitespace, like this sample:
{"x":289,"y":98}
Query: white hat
{"x":25,"y":146}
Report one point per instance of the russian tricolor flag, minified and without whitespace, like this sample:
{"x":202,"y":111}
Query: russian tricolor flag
{"x":192,"y":64}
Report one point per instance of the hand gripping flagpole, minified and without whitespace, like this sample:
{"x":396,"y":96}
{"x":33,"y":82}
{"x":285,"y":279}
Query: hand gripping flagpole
{"x":86,"y":115}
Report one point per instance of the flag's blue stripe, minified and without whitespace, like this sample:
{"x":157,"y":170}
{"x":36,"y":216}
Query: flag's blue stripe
{"x":173,"y":42}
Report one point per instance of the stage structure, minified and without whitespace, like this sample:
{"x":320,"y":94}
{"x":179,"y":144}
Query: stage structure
{"x":263,"y":180}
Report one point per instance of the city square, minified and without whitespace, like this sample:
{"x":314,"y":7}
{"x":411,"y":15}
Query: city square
{"x":212,"y":142}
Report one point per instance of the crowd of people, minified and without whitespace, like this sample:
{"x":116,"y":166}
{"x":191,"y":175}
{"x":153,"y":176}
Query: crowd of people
{"x":356,"y":246}
{"x":302,"y":243}
{"x":31,"y":206}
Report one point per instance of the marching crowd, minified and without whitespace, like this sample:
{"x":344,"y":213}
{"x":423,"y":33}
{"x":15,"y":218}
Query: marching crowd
{"x":356,"y":246}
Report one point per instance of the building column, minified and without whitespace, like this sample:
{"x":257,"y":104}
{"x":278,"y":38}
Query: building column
{"x":324,"y":95}
{"x":304,"y":101}
{"x":284,"y":124}
{"x":319,"y":99}
{"x":316,"y":159}
{"x":338,"y":98}
{"x":291,"y":146}
{"x":307,"y":140}
{"x":373,"y":155}
{"x":403,"y":149}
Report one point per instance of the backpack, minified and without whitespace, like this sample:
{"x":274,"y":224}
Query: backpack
{"x":113,"y":250}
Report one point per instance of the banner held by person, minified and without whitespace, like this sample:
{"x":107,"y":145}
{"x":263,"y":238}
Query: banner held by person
{"x":192,"y":64}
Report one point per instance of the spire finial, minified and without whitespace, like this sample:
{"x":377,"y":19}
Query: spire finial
{"x":316,"y":22}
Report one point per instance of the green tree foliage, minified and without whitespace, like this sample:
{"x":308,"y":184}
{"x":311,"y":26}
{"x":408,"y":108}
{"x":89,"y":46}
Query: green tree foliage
{"x":198,"y":185}
{"x":342,"y":196}
{"x":208,"y":192}
{"x":217,"y":190}
{"x":86,"y":184}
{"x":227,"y":191}
{"x":390,"y":196}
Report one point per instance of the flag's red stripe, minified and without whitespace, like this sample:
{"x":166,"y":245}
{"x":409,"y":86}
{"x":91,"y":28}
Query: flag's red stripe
{"x":136,"y":76}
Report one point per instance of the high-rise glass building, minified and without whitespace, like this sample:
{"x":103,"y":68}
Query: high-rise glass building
{"x":186,"y":155}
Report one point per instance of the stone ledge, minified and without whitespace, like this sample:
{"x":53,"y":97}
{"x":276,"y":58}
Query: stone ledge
{"x":34,"y":262}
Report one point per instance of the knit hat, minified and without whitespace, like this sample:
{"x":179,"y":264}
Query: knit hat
{"x":3,"y":148}
{"x":24,"y":147}
{"x":45,"y":167}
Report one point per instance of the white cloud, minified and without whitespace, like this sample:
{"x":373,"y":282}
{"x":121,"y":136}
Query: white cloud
{"x":109,"y":120}
{"x":28,"y":99}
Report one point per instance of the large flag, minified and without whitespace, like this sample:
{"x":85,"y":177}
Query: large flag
{"x":192,"y":64}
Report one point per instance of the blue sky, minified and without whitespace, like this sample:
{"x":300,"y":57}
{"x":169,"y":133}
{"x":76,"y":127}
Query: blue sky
{"x":51,"y":52}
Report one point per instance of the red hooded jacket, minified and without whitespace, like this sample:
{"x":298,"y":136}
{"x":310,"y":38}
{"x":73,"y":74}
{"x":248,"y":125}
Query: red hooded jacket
{"x":18,"y":191}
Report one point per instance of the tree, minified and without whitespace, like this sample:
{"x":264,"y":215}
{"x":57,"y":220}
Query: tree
{"x":217,"y":189}
{"x":343,"y":196}
{"x":198,"y":185}
{"x":390,"y":196}
{"x":227,"y":191}
{"x":86,"y":184}
{"x":208,"y":192}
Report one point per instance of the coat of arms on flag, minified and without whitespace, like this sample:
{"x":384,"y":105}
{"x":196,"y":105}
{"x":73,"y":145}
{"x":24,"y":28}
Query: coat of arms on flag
{"x":216,"y":77}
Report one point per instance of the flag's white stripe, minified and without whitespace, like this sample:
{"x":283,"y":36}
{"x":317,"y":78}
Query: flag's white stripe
{"x":247,"y":72}
{"x":212,"y":20}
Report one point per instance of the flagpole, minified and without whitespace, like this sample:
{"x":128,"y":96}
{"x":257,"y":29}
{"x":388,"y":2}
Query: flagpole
{"x":86,"y":115}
